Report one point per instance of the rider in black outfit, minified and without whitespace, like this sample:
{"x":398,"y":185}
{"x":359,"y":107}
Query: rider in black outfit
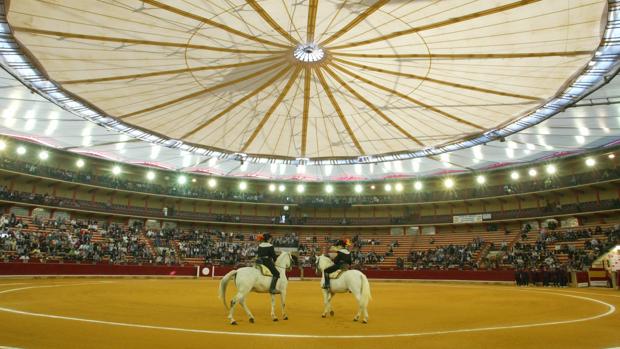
{"x":342,"y":261}
{"x":267,"y":256}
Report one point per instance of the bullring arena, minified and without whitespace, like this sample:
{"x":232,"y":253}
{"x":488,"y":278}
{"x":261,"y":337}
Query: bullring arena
{"x":454,"y":163}
{"x":141,"y":313}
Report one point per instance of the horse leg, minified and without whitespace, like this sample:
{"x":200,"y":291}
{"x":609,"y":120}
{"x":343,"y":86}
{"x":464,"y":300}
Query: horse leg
{"x":283,"y":304}
{"x":360,"y":310}
{"x":331,"y":295}
{"x":247,"y":310}
{"x":326,"y":304}
{"x":365,"y":310}
{"x":236,"y":299}
{"x":273,"y":307}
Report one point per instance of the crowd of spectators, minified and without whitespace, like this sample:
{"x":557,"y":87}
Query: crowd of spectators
{"x":199,"y":191}
{"x":446,"y":257}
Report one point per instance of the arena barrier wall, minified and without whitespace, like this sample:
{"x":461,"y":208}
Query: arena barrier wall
{"x":76,"y":269}
{"x":49,"y":269}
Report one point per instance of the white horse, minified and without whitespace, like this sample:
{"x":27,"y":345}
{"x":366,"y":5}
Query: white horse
{"x":251,"y":279}
{"x":353,"y":281}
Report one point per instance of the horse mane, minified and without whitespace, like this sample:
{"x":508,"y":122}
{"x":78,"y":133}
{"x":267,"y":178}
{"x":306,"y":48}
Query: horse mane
{"x":324,"y":262}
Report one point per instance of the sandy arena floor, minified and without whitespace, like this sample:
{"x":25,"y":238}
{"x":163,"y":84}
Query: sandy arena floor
{"x":184,"y":313}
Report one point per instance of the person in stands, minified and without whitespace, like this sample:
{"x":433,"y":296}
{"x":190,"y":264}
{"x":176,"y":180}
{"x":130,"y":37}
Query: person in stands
{"x":267,"y":256}
{"x":341,"y":261}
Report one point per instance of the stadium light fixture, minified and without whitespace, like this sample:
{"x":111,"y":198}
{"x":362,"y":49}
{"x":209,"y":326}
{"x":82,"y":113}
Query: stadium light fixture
{"x":514,"y":175}
{"x":358,"y":188}
{"x":448,"y":183}
{"x":281,"y":188}
{"x":79,"y":163}
{"x":481,"y":179}
{"x":611,"y":156}
{"x":417,"y":185}
{"x":388,"y":188}
{"x":116,"y":170}
{"x":243,"y":185}
{"x":150,"y":175}
{"x":398,"y":187}
{"x":182,"y":180}
{"x":21,"y":150}
{"x":272,"y":187}
{"x":44,"y":155}
{"x":211,"y":182}
{"x":329,"y":189}
{"x":300,"y":188}
{"x":193,"y":180}
{"x":532,"y":172}
{"x":590,"y":162}
{"x":372,"y":187}
{"x":551,"y":169}
{"x":2,"y":145}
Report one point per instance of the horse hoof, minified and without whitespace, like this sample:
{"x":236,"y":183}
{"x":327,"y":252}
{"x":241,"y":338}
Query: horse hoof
{"x":323,"y":315}
{"x":355,"y":319}
{"x":365,"y":322}
{"x":274,"y":320}
{"x":331,"y":313}
{"x":233,"y":323}
{"x":285,"y":318}
{"x":252,"y":320}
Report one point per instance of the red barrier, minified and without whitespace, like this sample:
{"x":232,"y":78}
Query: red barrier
{"x":155,"y":270}
{"x":93,"y":269}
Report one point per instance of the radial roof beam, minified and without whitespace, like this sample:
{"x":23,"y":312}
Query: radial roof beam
{"x":336,"y":106}
{"x":270,"y":21}
{"x":273,"y":107}
{"x":137,"y":41}
{"x":201,"y":92}
{"x":357,"y":20}
{"x":410,"y":99}
{"x":169,"y":72}
{"x":439,"y":24}
{"x":437,"y":81}
{"x":306,"y":110}
{"x":233,"y":105}
{"x":373,"y":107}
{"x":467,"y":55}
{"x":313,"y":8}
{"x":212,"y":23}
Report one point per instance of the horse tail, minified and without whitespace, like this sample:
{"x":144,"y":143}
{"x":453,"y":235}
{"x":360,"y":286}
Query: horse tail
{"x":223,"y":284}
{"x":366,"y":296}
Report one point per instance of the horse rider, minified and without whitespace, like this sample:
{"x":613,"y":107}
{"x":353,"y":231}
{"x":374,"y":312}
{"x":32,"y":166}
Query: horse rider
{"x":341,"y":261}
{"x":267,"y":256}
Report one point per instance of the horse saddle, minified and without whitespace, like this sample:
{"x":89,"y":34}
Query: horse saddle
{"x":336,"y":274}
{"x":263,"y":269}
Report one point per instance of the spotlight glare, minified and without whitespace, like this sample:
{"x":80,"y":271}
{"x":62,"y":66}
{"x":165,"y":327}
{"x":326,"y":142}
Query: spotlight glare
{"x":21,"y":150}
{"x":514,"y":175}
{"x":116,"y":170}
{"x":590,"y":162}
{"x":182,"y":180}
{"x":532,"y":172}
{"x":79,"y":163}
{"x":358,"y":188}
{"x":281,"y":188}
{"x":243,"y":185}
{"x":481,"y":179}
{"x":301,"y":188}
{"x":193,"y":180}
{"x":44,"y":155}
{"x":551,"y":169}
{"x":150,"y":175}
{"x":211,"y":182}
{"x":329,"y":189}
{"x":398,"y":187}
{"x":388,"y":187}
{"x":611,"y":156}
{"x":372,"y":187}
{"x":417,"y":185}
{"x":448,"y":183}
{"x":272,"y":187}
{"x":2,"y":145}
